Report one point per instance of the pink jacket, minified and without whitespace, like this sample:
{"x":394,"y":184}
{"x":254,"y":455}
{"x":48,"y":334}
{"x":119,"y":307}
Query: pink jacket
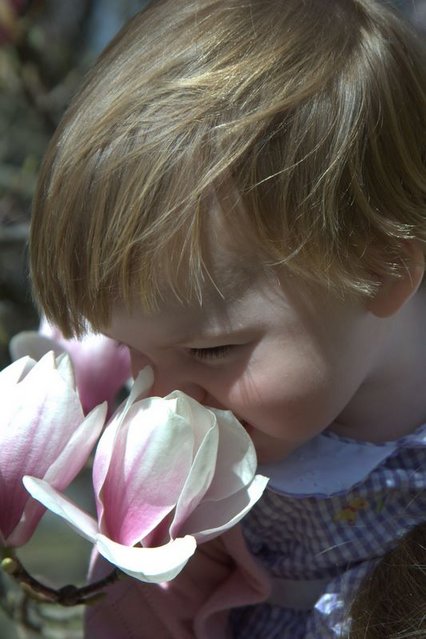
{"x":195,"y":605}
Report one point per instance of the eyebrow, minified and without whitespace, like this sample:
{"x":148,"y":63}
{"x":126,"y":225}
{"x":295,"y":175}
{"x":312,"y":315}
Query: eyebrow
{"x":219,"y":338}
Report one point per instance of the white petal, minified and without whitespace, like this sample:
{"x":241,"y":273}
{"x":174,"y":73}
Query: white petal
{"x":201,"y":418}
{"x":153,"y":565}
{"x":33,"y":344}
{"x":46,"y":364}
{"x":49,"y":370}
{"x":57,"y":503}
{"x":141,"y":385}
{"x":199,"y":477}
{"x":212,"y":518}
{"x":236,"y":457}
{"x":65,"y":369}
{"x":14,"y":373}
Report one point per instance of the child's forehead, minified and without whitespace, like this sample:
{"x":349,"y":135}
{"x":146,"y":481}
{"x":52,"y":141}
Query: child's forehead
{"x":216,"y":316}
{"x":230,"y":259}
{"x":228,"y":279}
{"x":234,"y":273}
{"x":230,"y":253}
{"x":176,"y":321}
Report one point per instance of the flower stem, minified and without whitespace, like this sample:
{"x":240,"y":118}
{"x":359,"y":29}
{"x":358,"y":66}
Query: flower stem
{"x":66,"y":596}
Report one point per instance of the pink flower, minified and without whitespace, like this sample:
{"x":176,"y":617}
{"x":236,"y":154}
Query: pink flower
{"x":43,"y":432}
{"x":168,"y":473}
{"x":101,"y":366}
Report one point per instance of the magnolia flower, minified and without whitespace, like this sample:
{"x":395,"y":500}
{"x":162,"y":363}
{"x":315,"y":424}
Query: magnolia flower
{"x":101,"y":366}
{"x":42,"y":432}
{"x":168,"y":473}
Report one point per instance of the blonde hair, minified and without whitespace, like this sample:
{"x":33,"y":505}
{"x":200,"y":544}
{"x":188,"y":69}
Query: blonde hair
{"x":313,"y":111}
{"x":391,"y":603}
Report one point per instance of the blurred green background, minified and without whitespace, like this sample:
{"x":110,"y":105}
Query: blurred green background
{"x":45,"y":48}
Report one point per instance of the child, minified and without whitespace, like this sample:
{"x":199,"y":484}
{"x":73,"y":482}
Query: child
{"x":238,"y":195}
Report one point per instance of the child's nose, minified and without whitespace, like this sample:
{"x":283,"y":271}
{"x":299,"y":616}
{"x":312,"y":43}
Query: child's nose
{"x":166,"y":381}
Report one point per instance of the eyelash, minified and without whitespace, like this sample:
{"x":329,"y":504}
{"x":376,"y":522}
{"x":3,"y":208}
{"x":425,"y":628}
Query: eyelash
{"x":212,"y":353}
{"x":215,"y":352}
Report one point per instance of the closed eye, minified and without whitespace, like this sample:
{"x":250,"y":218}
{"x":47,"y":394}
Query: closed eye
{"x":214,"y":352}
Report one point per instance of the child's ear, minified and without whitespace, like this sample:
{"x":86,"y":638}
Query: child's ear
{"x":395,"y":292}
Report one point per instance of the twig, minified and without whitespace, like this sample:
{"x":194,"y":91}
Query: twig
{"x":68,"y":595}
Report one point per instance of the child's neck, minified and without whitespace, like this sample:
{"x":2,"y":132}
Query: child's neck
{"x":392,"y":401}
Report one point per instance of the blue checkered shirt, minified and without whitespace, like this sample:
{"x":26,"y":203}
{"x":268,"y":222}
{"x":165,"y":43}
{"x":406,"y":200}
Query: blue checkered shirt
{"x":332,"y":510}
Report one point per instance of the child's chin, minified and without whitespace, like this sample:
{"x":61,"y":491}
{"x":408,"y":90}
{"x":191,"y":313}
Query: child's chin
{"x":273,"y":453}
{"x":269,"y":450}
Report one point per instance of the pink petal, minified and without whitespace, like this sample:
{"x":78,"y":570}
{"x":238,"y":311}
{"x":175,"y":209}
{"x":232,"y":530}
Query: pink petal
{"x":101,"y":367}
{"x":106,"y":445}
{"x":149,"y":463}
{"x":61,"y":474}
{"x":57,"y":503}
{"x":74,"y":455}
{"x":36,"y":421}
{"x":43,"y":433}
{"x":66,"y":467}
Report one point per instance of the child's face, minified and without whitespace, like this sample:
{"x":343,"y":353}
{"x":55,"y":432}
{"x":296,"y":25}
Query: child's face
{"x":287,"y":363}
